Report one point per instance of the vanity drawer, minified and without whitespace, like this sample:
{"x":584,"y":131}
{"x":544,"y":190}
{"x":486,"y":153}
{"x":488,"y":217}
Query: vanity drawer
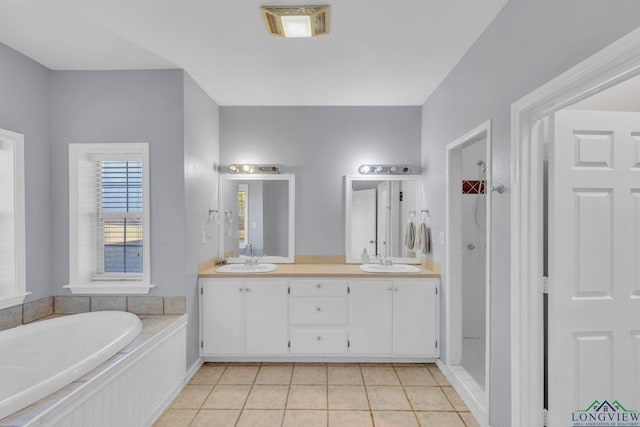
{"x":318,"y":288}
{"x":318,"y":311}
{"x":318,"y":341}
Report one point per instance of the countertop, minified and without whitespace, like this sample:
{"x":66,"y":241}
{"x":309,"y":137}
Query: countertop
{"x":320,"y":270}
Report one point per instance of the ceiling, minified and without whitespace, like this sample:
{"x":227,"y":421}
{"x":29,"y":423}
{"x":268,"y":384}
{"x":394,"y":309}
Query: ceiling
{"x":377,"y":53}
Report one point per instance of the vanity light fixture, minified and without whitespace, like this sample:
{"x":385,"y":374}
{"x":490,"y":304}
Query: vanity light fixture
{"x":296,"y":21}
{"x":384,"y":169}
{"x":250,"y":168}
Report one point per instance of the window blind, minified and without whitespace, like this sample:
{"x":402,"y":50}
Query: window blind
{"x":119,"y":217}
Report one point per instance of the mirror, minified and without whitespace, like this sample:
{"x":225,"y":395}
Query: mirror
{"x":378,"y":211}
{"x":257,"y":217}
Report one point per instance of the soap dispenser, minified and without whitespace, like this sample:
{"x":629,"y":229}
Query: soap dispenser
{"x":365,"y":256}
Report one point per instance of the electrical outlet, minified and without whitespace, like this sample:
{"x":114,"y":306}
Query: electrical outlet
{"x":442,"y":239}
{"x":203,"y":236}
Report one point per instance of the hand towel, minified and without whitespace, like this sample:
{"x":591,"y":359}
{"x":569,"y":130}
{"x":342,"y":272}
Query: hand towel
{"x":410,"y":236}
{"x":423,"y":239}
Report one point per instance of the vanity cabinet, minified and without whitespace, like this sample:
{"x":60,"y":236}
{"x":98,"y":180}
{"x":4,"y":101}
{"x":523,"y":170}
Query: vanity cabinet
{"x":394,"y":317}
{"x":310,"y":318}
{"x":318,"y":316}
{"x":244,"y":317}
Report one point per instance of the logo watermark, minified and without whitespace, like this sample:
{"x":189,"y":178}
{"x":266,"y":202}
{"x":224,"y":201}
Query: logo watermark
{"x":605,"y":414}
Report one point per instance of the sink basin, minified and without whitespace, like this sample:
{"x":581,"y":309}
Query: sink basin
{"x":242,"y":268}
{"x":394,"y":268}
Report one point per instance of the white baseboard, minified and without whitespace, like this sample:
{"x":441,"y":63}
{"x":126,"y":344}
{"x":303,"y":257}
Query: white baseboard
{"x":476,"y":407}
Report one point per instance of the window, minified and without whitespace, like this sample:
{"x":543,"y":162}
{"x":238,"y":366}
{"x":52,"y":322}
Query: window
{"x":109,"y":218}
{"x":243,"y":215}
{"x":12,"y":220}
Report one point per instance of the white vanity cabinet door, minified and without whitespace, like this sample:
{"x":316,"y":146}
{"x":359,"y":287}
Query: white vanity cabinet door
{"x":222,"y":317}
{"x":415,"y":317}
{"x":266,"y":316}
{"x":370,"y":317}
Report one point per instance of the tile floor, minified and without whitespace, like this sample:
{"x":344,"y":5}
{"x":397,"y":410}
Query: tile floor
{"x":317,"y":394}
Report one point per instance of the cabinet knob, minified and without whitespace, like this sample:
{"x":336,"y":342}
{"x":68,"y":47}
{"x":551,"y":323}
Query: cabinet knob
{"x":241,"y":290}
{"x":319,"y":338}
{"x":248,"y":289}
{"x":318,"y":286}
{"x":389,"y":289}
{"x":318,"y":308}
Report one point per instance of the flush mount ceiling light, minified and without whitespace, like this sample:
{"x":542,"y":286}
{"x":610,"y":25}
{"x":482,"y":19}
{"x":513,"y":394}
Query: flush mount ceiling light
{"x":296,"y":21}
{"x":384,"y":169}
{"x":239,"y":168}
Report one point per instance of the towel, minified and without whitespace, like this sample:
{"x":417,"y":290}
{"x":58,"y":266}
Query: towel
{"x":423,"y":241}
{"x":410,"y":236}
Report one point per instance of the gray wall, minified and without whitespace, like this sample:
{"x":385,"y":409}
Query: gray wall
{"x":124,"y":106}
{"x":319,"y":145}
{"x":529,"y":43}
{"x":25,"y":107}
{"x":201,"y":151}
{"x":276,"y":234}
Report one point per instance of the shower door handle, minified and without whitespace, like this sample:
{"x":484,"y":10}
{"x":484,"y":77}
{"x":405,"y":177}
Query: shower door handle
{"x":471,"y":246}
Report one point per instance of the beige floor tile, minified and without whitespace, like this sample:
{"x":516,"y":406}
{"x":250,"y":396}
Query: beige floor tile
{"x":176,"y":418}
{"x":428,"y":399}
{"x":379,"y":375}
{"x":348,"y":397}
{"x":469,"y":419}
{"x":303,"y":418}
{"x":437,"y":374}
{"x":309,"y":375}
{"x":260,"y":418}
{"x":455,"y":399}
{"x":415,"y":375}
{"x":274,"y":375}
{"x":227,"y":397}
{"x":350,"y":419}
{"x":191,"y":397}
{"x":390,"y":398}
{"x":207,"y":375}
{"x":267,"y":397}
{"x":307,"y":397}
{"x":239,"y":375}
{"x":439,"y":419}
{"x":395,"y":419}
{"x":217,"y":418}
{"x":344,"y":375}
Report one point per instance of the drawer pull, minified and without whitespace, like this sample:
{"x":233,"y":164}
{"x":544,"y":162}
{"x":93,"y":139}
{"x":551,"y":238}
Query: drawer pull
{"x":318,"y":286}
{"x":241,"y":290}
{"x":319,"y":338}
{"x":318,"y":308}
{"x":248,"y":289}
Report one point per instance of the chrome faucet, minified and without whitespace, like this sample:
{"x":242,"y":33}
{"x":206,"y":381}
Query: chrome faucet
{"x":385,"y":260}
{"x":253,"y":260}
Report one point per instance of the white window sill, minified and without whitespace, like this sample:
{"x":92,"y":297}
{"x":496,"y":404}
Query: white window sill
{"x":109,"y":288}
{"x":10,"y":301}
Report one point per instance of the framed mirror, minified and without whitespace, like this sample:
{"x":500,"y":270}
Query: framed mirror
{"x":378,"y":211}
{"x":257,"y":217}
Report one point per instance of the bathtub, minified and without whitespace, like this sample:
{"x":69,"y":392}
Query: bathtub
{"x":42,"y":357}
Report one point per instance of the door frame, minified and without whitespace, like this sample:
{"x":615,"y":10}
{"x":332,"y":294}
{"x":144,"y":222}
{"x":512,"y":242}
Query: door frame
{"x":453,"y":273}
{"x":608,"y":67}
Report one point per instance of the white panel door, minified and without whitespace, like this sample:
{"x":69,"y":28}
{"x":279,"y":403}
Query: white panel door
{"x":266,"y":316}
{"x":223,"y":317}
{"x":363,"y":222}
{"x":415,"y":317}
{"x":370,"y":317}
{"x":594,"y":298}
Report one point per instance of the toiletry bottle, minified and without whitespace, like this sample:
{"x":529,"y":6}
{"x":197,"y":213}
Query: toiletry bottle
{"x":365,"y":256}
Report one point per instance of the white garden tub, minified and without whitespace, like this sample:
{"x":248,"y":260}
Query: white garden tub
{"x":42,"y":357}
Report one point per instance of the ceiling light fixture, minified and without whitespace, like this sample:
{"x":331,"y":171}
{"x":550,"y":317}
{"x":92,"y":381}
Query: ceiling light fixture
{"x":296,"y":21}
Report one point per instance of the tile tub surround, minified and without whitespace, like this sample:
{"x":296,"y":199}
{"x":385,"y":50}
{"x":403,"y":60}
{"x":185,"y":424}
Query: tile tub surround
{"x":44,"y":307}
{"x":152,"y":326}
{"x":317,"y":394}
